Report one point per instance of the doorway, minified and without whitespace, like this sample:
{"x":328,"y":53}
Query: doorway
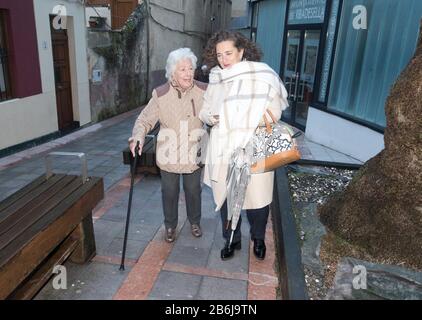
{"x":62,"y":78}
{"x":299,"y":76}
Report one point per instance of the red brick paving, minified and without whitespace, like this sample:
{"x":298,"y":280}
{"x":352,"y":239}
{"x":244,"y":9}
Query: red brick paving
{"x":141,"y":278}
{"x":263,"y":281}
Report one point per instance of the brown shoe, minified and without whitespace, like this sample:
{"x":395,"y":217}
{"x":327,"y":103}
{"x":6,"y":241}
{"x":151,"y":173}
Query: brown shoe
{"x":196,"y":230}
{"x":170,"y":235}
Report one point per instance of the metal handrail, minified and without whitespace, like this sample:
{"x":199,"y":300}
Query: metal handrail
{"x":80,"y":155}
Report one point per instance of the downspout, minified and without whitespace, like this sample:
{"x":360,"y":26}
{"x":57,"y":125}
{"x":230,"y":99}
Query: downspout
{"x":148,"y":45}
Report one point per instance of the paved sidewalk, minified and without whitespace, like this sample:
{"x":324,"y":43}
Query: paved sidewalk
{"x":189,"y":268}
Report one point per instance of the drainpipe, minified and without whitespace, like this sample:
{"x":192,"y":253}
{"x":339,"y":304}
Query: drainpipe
{"x":148,"y":45}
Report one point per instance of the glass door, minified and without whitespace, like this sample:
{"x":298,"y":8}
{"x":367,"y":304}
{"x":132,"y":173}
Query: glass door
{"x":299,"y":73}
{"x":291,"y":70}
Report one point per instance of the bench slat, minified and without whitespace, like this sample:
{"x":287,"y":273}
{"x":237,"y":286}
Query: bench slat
{"x":23,"y":201}
{"x":21,"y":192}
{"x":49,"y":200}
{"x":41,"y":224}
{"x":30,"y":287}
{"x":16,"y":265}
{"x":9,"y":219}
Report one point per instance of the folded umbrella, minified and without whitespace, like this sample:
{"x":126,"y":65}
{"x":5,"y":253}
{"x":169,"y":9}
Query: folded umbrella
{"x":238,"y":178}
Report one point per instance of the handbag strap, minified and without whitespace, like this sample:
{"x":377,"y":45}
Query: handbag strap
{"x":267,"y":124}
{"x":269,"y":128}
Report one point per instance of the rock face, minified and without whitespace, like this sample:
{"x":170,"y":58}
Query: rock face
{"x":381,"y":209}
{"x":361,"y":280}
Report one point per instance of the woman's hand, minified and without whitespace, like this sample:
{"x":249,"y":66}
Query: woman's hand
{"x":215,"y":119}
{"x":132,"y":146}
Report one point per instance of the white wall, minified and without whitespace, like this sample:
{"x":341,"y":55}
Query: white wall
{"x":37,"y":115}
{"x":342,"y":135}
{"x":77,"y":53}
{"x":28,"y":118}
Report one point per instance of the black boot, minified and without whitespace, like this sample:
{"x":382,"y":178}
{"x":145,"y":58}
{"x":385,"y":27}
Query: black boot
{"x":259,"y":249}
{"x":228,"y":251}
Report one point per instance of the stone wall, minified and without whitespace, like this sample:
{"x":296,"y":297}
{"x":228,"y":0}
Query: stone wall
{"x":125,"y":66}
{"x":121,"y":58}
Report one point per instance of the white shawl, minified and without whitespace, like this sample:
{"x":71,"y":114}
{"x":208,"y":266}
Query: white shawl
{"x":253,"y":87}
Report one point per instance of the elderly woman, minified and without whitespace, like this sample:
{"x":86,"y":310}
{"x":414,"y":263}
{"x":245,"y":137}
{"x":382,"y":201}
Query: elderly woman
{"x":176,"y":105}
{"x":241,"y":91}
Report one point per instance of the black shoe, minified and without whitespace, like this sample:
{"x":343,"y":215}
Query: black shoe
{"x":259,"y":249}
{"x":228,"y":251}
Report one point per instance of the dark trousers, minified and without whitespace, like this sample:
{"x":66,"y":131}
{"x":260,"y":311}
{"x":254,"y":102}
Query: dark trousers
{"x":257,"y":220}
{"x":170,"y":188}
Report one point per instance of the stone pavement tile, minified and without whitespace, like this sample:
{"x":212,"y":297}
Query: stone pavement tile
{"x":134,"y":248}
{"x":28,"y":176}
{"x":117,"y":214}
{"x":6,"y":192}
{"x":186,"y":238}
{"x":222,"y":289}
{"x":18,"y":169}
{"x":139,"y":232}
{"x":240,"y":261}
{"x":105,"y":231}
{"x":101,"y":169}
{"x":149,"y":217}
{"x":177,"y":286}
{"x":14,"y":183}
{"x":189,"y":255}
{"x":90,"y":281}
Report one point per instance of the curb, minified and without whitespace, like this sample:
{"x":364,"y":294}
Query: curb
{"x":290,"y":268}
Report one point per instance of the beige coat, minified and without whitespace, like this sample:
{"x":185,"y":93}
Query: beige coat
{"x":259,"y":192}
{"x":180,"y":127}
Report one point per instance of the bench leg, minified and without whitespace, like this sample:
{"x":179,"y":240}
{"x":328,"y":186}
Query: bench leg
{"x":84,"y":232}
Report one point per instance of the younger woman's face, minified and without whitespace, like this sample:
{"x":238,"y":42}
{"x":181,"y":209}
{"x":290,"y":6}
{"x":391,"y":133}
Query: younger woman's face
{"x":228,"y":54}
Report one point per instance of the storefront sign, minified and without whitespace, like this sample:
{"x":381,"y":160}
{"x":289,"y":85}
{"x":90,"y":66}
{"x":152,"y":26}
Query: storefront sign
{"x":306,"y":11}
{"x":332,"y":24}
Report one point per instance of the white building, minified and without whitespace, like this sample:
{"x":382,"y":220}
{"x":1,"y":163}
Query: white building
{"x":45,"y":69}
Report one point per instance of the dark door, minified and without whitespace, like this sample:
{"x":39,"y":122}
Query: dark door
{"x":301,"y":56}
{"x":62,"y":77}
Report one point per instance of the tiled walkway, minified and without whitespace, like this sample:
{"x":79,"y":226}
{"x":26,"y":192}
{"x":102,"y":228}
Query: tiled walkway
{"x":189,"y":268}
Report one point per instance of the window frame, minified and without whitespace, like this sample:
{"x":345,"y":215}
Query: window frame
{"x":5,"y":57}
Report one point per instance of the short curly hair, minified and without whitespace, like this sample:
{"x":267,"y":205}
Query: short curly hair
{"x":251,"y":50}
{"x":175,"y":56}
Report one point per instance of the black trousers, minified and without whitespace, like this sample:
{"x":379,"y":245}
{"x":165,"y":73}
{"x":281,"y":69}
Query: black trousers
{"x":257,"y":220}
{"x":170,"y":189}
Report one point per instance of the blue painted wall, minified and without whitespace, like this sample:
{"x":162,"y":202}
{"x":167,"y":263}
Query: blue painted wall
{"x":368,"y":62}
{"x":270,"y":31}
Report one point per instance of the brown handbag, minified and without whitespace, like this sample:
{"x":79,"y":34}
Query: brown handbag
{"x":274,"y":146}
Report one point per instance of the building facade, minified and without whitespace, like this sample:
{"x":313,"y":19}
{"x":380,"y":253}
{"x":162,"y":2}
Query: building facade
{"x":338,"y":60}
{"x":44,"y":72}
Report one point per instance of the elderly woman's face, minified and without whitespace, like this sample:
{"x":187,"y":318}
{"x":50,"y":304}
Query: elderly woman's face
{"x":228,"y":54}
{"x":183,"y":73}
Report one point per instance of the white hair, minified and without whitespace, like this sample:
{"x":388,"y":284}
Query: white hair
{"x":175,"y":56}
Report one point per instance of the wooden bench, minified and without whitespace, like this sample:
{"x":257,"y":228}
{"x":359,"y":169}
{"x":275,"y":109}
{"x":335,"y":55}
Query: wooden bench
{"x":43,"y":224}
{"x":147,"y":161}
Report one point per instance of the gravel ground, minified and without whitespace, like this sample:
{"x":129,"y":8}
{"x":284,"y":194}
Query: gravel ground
{"x":312,"y":184}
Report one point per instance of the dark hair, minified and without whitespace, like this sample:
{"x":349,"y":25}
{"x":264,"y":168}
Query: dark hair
{"x":251,"y":51}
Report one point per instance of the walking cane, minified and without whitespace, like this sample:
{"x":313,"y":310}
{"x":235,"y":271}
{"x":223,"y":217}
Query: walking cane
{"x":133,"y":168}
